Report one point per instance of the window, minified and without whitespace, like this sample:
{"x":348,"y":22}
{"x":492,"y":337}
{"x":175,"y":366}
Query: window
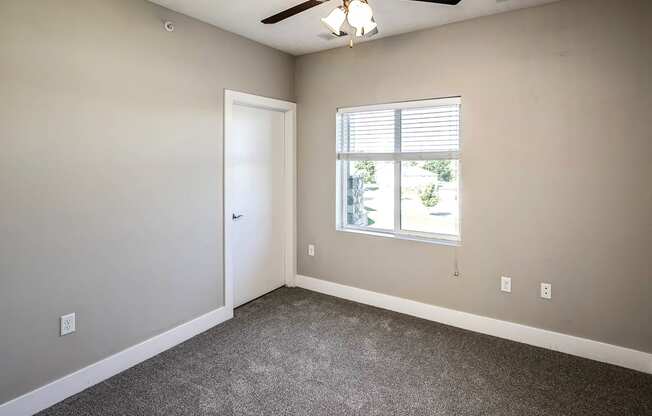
{"x":398,"y":169}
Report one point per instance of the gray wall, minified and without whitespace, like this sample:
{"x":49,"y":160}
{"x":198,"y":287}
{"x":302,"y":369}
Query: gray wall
{"x":110,"y":175}
{"x":556,"y":166}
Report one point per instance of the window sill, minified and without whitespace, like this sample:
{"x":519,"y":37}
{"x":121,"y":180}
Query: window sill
{"x":407,"y":237}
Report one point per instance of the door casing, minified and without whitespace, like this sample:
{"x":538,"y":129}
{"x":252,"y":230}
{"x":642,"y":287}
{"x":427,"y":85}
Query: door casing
{"x":289,"y":110}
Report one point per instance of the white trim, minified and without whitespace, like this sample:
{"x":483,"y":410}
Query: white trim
{"x":289,"y":110}
{"x":344,"y":156}
{"x":434,"y":102}
{"x":398,"y":186}
{"x":290,"y":177}
{"x":439,"y":239}
{"x":396,"y":156}
{"x":58,"y":390}
{"x":581,"y":347}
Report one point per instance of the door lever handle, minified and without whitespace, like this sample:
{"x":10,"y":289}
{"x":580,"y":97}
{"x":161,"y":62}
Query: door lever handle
{"x":236,"y":217}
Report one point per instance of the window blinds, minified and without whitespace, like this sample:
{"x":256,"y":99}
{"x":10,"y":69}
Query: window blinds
{"x":434,"y":129}
{"x":370,"y":131}
{"x":424,"y":130}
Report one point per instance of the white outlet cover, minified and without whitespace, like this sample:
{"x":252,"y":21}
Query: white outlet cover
{"x":68,"y":325}
{"x":506,"y":284}
{"x":546,"y":290}
{"x":311,"y":250}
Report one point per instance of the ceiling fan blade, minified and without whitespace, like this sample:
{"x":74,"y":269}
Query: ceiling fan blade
{"x":292,"y":11}
{"x":446,"y":2}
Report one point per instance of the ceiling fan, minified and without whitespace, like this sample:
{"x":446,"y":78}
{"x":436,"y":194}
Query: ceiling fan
{"x":357,"y":14}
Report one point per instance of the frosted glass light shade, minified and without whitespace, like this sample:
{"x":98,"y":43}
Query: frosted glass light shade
{"x":369,"y":27}
{"x":335,"y":20}
{"x":360,"y":14}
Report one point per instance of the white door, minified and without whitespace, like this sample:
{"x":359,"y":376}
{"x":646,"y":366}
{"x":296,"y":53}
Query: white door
{"x":255,"y":162}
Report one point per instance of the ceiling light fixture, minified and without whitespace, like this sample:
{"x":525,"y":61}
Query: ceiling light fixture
{"x":335,"y":20}
{"x":359,"y":15}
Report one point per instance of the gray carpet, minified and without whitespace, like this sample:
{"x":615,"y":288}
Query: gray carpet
{"x":295,"y":352}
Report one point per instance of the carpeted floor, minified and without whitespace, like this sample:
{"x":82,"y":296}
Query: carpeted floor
{"x":295,"y":352}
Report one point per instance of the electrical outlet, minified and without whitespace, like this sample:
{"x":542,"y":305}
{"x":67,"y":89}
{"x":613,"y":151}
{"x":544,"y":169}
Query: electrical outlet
{"x":311,"y":250}
{"x":546,"y":290}
{"x":506,"y":284}
{"x":68,"y":324}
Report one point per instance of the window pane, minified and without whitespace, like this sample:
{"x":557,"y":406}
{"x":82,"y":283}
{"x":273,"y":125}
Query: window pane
{"x":370,"y":194}
{"x":429,"y":196}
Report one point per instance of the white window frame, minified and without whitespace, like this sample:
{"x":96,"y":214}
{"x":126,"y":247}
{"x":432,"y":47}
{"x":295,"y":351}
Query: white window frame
{"x":342,"y":172}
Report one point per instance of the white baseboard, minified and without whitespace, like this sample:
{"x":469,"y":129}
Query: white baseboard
{"x":58,"y":390}
{"x":581,"y":347}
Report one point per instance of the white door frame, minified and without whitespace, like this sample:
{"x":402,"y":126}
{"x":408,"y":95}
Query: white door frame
{"x":232,"y":98}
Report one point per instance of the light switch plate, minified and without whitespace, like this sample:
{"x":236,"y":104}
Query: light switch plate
{"x":311,"y":250}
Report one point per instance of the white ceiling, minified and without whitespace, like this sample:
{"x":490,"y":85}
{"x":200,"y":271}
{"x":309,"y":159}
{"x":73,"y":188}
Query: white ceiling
{"x":300,"y":34}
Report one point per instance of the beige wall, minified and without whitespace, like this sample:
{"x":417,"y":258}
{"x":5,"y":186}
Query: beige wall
{"x":110,"y":175}
{"x":557,"y":169}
